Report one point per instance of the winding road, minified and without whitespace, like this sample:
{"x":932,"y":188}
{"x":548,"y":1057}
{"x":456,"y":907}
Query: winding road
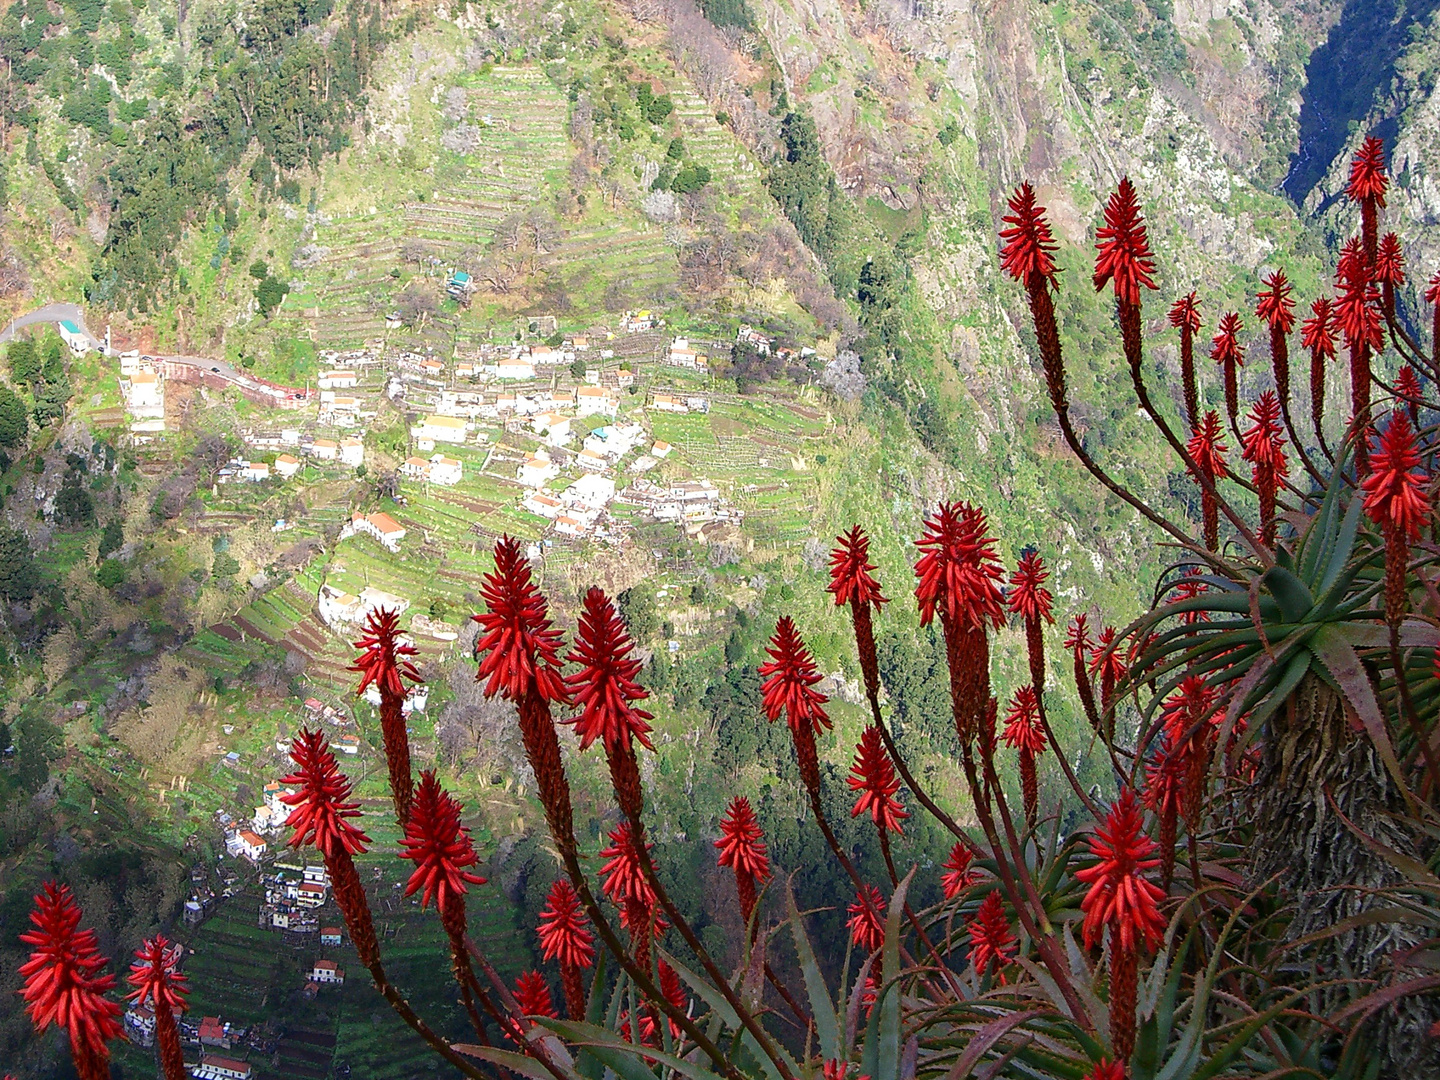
{"x":51,"y":313}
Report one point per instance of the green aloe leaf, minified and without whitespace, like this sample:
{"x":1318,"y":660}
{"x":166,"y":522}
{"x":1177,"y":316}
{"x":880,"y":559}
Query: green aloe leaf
{"x":827,"y":1025}
{"x":1343,"y":665}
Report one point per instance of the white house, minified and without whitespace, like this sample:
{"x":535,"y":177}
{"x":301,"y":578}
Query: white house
{"x":661,"y":449}
{"x":251,"y":845}
{"x":255,"y":471}
{"x":415,"y":468}
{"x":543,"y":505}
{"x":464,"y":371}
{"x":286,"y":466}
{"x":543,"y":354}
{"x":338,"y":380}
{"x":566,"y":525}
{"x":352,"y":452}
{"x":309,"y":894}
{"x":221,"y":1068}
{"x":327,"y":971}
{"x":325,"y":449}
{"x":590,"y":400}
{"x":553,"y":426}
{"x":515,"y":368}
{"x":145,"y":395}
{"x":681,"y":355}
{"x":590,"y":460}
{"x":537,"y":470}
{"x":450,"y":429}
{"x":669,"y":403}
{"x":381,"y":526}
{"x":329,"y":935}
{"x":594,"y":491}
{"x":445,"y":470}
{"x":70,"y":334}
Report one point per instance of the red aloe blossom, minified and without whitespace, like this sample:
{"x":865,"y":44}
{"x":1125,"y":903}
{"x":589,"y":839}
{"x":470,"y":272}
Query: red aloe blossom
{"x":623,"y":880}
{"x":441,"y":849}
{"x":517,"y":650}
{"x":675,"y":994}
{"x":321,"y":817}
{"x":1185,"y":317}
{"x":1078,"y":642}
{"x":853,"y":582}
{"x":741,"y":848}
{"x":1274,"y":307}
{"x":992,"y":945}
{"x":1263,"y":446}
{"x":565,"y":937}
{"x":789,"y":679}
{"x":1225,"y":350}
{"x":1208,"y":452}
{"x":1389,"y":271}
{"x":1105,"y":1069}
{"x":1028,"y":256}
{"x":1367,"y":187}
{"x":1318,"y":335}
{"x":958,"y":874}
{"x":1029,"y":599}
{"x":873,"y":776}
{"x":867,"y":930}
{"x":605,"y":690}
{"x":1025,"y":734}
{"x":384,"y":662}
{"x":157,"y":982}
{"x":1396,"y":500}
{"x":1107,"y":662}
{"x":1357,"y":316}
{"x":532,"y":994}
{"x":1432,"y":297}
{"x":1125,"y":261}
{"x":1166,"y":776}
{"x":1407,"y":389}
{"x":957,"y":575}
{"x":63,"y":984}
{"x":1122,"y":900}
{"x":1187,"y":718}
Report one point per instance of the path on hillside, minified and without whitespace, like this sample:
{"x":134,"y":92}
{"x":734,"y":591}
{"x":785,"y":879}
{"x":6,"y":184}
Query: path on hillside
{"x":51,"y":313}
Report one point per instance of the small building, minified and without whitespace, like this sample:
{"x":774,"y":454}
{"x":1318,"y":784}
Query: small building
{"x":681,"y":355}
{"x":325,"y":449}
{"x":255,"y":471}
{"x":309,"y":894}
{"x":338,"y":380}
{"x":213,"y":1067}
{"x":415,"y":468}
{"x":669,"y":403}
{"x":70,"y":334}
{"x":592,"y":400}
{"x":252,"y":846}
{"x":145,"y":395}
{"x":140,"y":1025}
{"x":542,"y":505}
{"x":543,"y":354}
{"x":465,"y":371}
{"x":566,"y":525}
{"x":625,"y":377}
{"x":381,"y":526}
{"x":352,"y":452}
{"x":446,"y":471}
{"x":214,"y":1033}
{"x":515,"y":368}
{"x":287,"y":466}
{"x":459,"y":285}
{"x":537,"y":470}
{"x":590,"y":461}
{"x":348,"y":744}
{"x":552,"y":426}
{"x":327,"y":971}
{"x":592,"y":490}
{"x":330,"y":935}
{"x":661,"y":449}
{"x":450,"y":429}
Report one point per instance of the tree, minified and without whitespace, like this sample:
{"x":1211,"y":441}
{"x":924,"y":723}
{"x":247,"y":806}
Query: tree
{"x":24,"y":361}
{"x":18,"y":577}
{"x":14,"y":423}
{"x":74,"y":505}
{"x":112,"y":537}
{"x":110,"y":573}
{"x":270,"y":294}
{"x":637,"y":608}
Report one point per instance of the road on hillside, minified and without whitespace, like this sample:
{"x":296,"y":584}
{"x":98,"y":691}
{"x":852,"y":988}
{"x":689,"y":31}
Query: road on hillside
{"x":51,"y":313}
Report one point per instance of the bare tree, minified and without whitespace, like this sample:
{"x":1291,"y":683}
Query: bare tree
{"x":417,"y":304}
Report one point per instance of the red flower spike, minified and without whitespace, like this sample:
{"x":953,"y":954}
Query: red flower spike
{"x":789,"y":676}
{"x":1225,"y":350}
{"x":1105,"y":1069}
{"x":532,"y":994}
{"x":383,"y":660}
{"x":958,"y":569}
{"x":1368,"y":181}
{"x":1357,"y":316}
{"x":563,"y":929}
{"x":1028,"y":251}
{"x":1185,"y":314}
{"x":674,"y":991}
{"x":604,"y":688}
{"x":1023,"y":730}
{"x":1318,"y":332}
{"x":1125,"y":258}
{"x":1108,"y":663}
{"x":1166,"y":778}
{"x":439,"y":846}
{"x":992,"y":945}
{"x":1395,"y":496}
{"x":63,"y":984}
{"x":321,"y":809}
{"x":1207,"y":449}
{"x":1407,"y":385}
{"x":1185,"y":317}
{"x":1432,"y":292}
{"x":740,"y":843}
{"x":1273,"y":305}
{"x":154,"y":976}
{"x":622,"y":877}
{"x":1120,"y":897}
{"x":1390,"y":261}
{"x":958,"y":875}
{"x":873,"y":776}
{"x":1028,"y":596}
{"x":517,"y":646}
{"x":1077,"y":635}
{"x":851,"y":571}
{"x":1263,"y":446}
{"x":866,"y":929}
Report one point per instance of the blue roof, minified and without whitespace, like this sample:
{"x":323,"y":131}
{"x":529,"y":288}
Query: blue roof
{"x":460,"y":277}
{"x":69,"y":327}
